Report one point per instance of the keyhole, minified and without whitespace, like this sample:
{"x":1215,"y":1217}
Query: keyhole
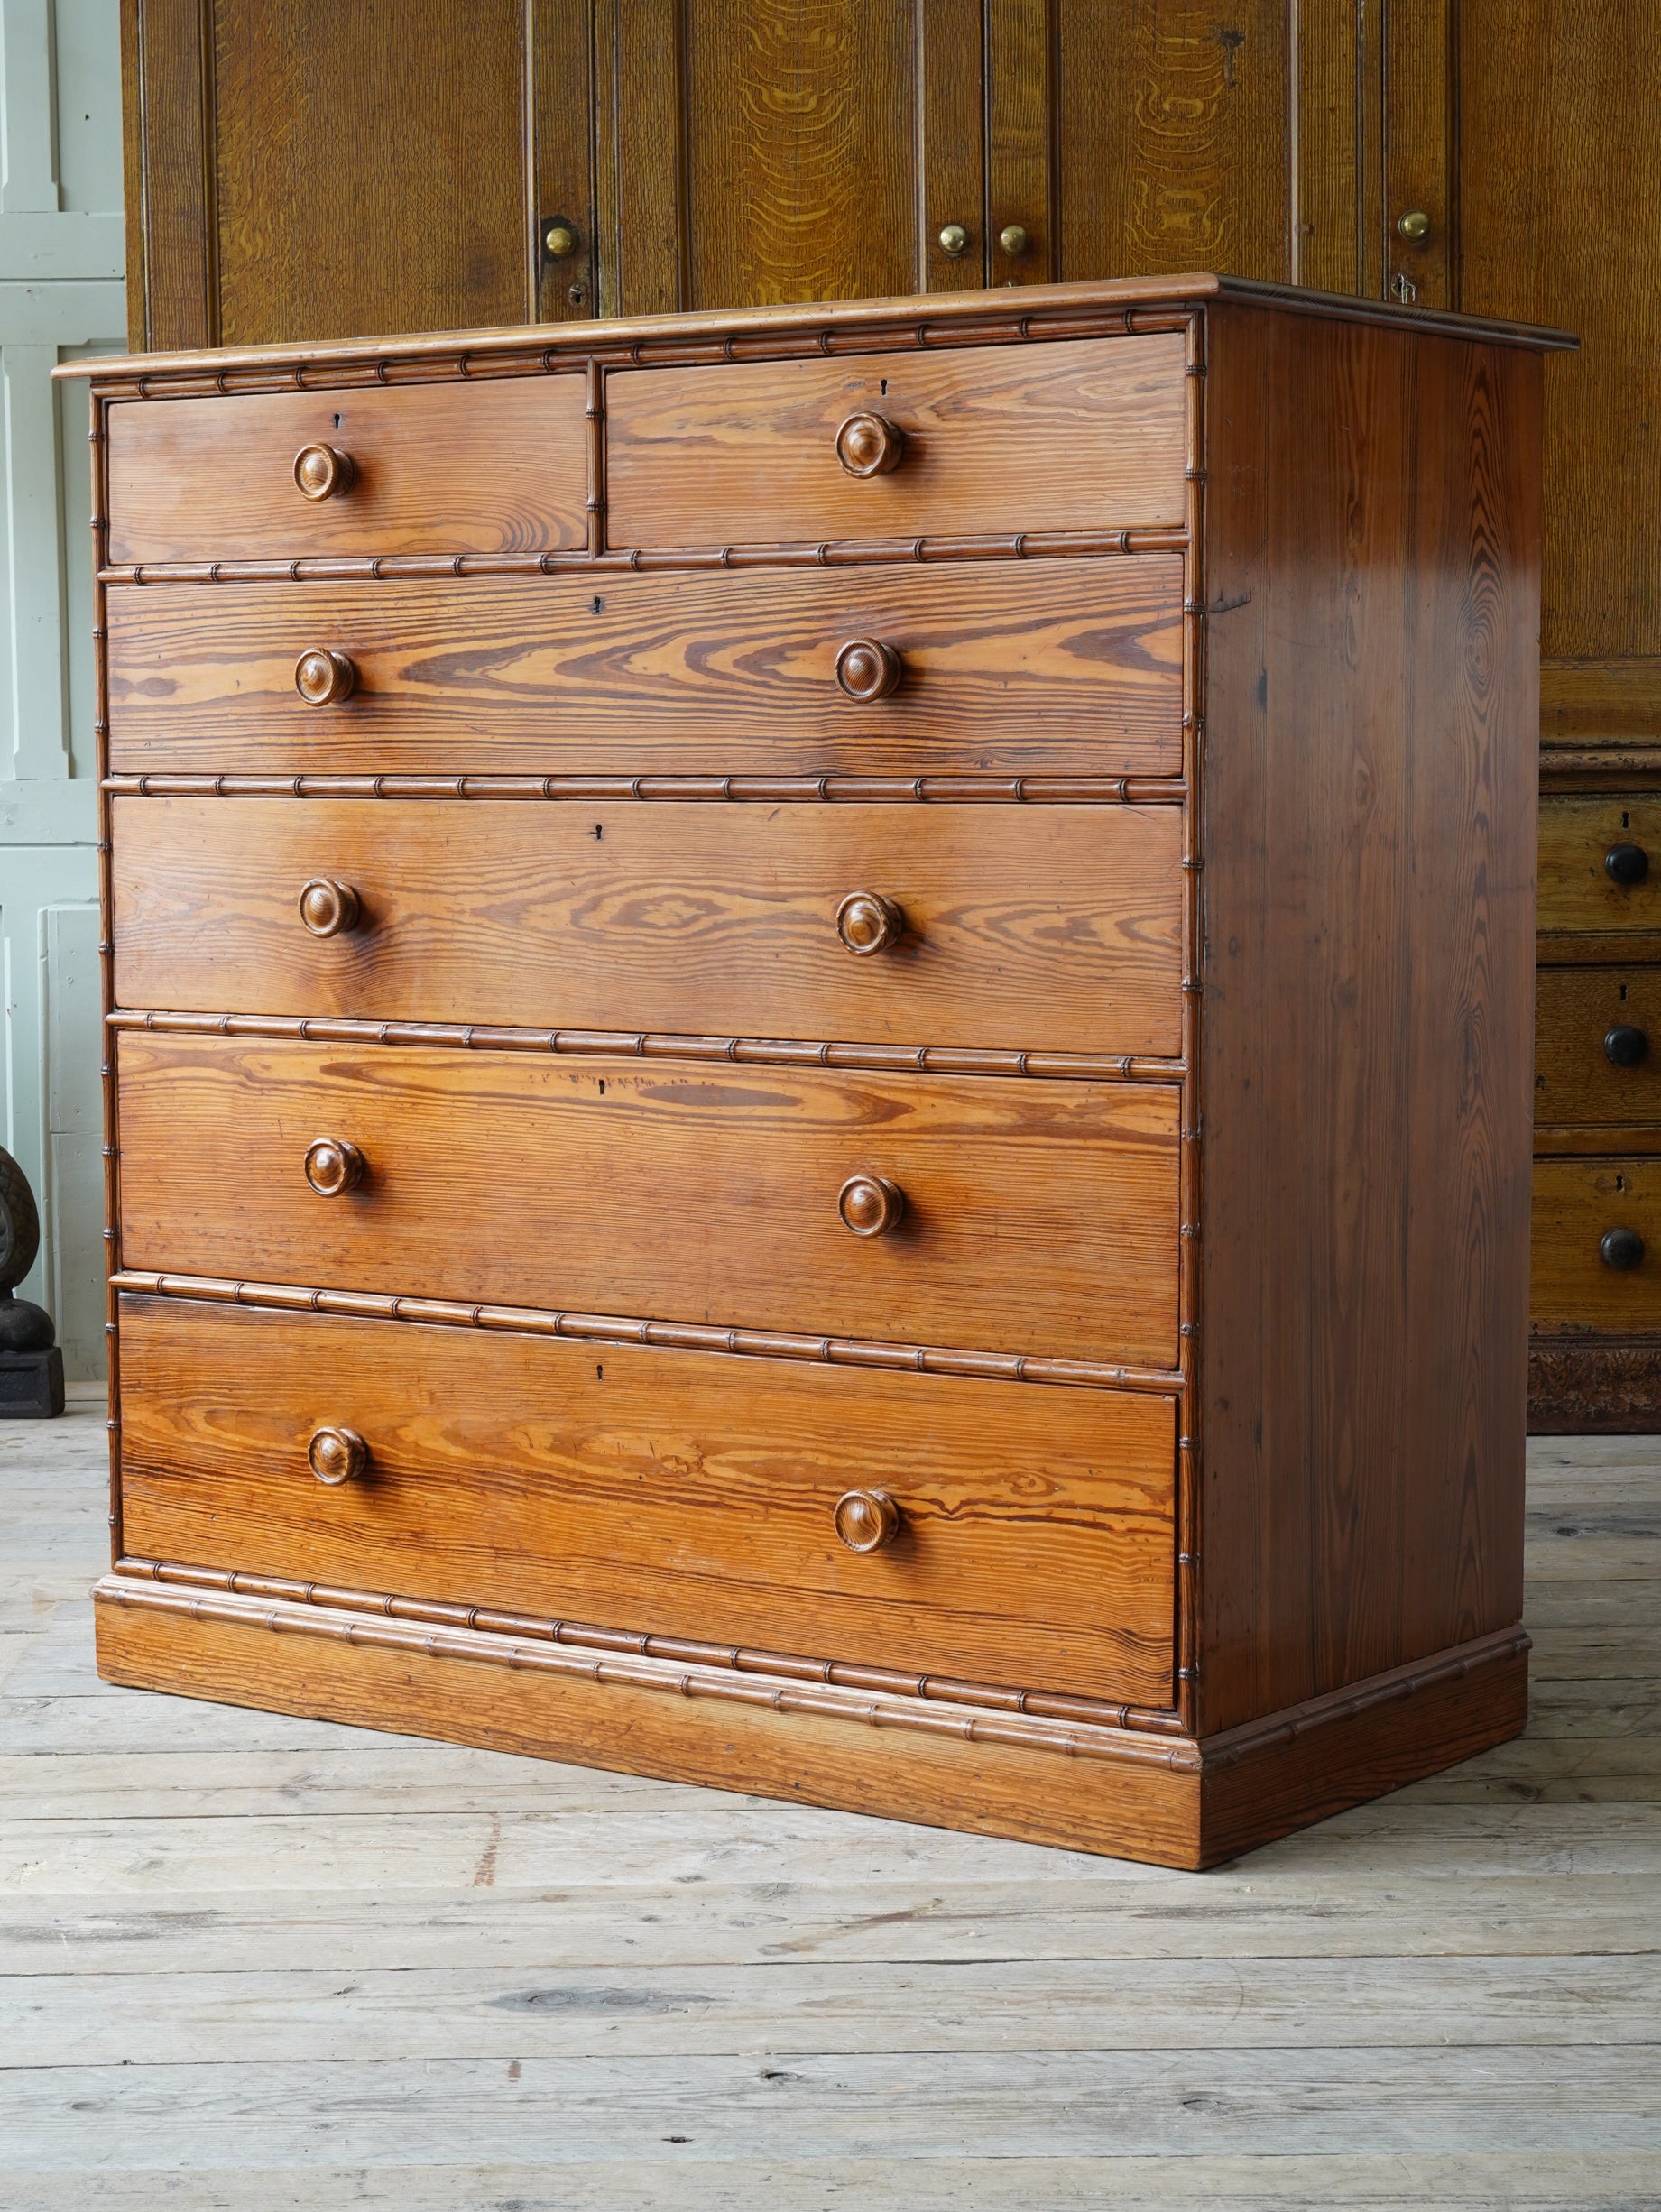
{"x":599,"y":829}
{"x":599,"y":1373}
{"x":597,"y":603}
{"x":1623,"y":994}
{"x":1625,"y":821}
{"x":885,"y":387}
{"x":602,"y":1086}
{"x":338,"y":421}
{"x":1620,"y":1183}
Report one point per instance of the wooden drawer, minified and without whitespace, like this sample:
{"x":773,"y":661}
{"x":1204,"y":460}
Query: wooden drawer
{"x":1575,"y":1202}
{"x":1577,"y":892}
{"x":1072,"y":667}
{"x":1588,"y":1022}
{"x":496,"y":468}
{"x":1084,"y":435}
{"x":682,"y":1493}
{"x":1028,"y":927}
{"x":1040,"y":1216}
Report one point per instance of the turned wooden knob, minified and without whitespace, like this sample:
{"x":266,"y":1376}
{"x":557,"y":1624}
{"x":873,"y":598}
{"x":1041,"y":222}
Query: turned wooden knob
{"x":1626,"y":1046}
{"x":866,"y":1519}
{"x":1621,"y":1249}
{"x":333,"y":1165}
{"x":322,"y":677}
{"x":1626,"y":864}
{"x":870,"y":1204}
{"x":868,"y":923}
{"x":338,"y":1455}
{"x":328,"y":908}
{"x":867,"y":669}
{"x":323,"y":472}
{"x":870,"y":445}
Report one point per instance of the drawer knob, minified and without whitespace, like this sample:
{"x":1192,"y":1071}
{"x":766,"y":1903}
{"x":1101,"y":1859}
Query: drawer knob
{"x":868,"y":669}
{"x":869,"y":1205}
{"x":870,"y":445}
{"x":323,"y":677}
{"x":1014,"y":239}
{"x":324,"y":472}
{"x":328,"y":908}
{"x":1626,"y":864}
{"x":866,"y":1519}
{"x":868,"y":923}
{"x":338,"y":1455}
{"x":953,"y":240}
{"x":333,"y":1165}
{"x":1625,"y":1045}
{"x":1621,"y":1249}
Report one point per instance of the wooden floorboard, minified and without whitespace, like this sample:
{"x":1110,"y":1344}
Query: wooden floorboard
{"x":256,"y":1961}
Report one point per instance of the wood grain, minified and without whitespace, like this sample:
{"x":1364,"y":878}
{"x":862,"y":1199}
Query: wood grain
{"x":660,"y":1490}
{"x":1025,"y":927}
{"x":1080,"y":434}
{"x":1039,"y":1217}
{"x":1576,"y":892}
{"x":1575,"y":1080}
{"x":440,"y":468}
{"x":1575,"y":1201}
{"x":1070,"y":666}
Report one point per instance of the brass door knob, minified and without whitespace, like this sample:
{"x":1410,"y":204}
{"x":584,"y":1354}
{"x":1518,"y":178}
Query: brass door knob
{"x":338,"y":1455}
{"x":559,"y":241}
{"x":866,"y":1520}
{"x":328,"y":908}
{"x":324,"y":472}
{"x":953,"y":240}
{"x":1625,"y":865}
{"x":870,"y":445}
{"x":333,"y":1165}
{"x":868,"y":923}
{"x":1621,"y":1249}
{"x":323,"y":677}
{"x":867,"y":669}
{"x":1014,"y":239}
{"x":1626,"y":1046}
{"x":869,"y":1205}
{"x":1414,"y":226}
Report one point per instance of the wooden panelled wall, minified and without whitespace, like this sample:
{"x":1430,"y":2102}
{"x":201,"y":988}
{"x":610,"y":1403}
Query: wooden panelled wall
{"x":332,"y":167}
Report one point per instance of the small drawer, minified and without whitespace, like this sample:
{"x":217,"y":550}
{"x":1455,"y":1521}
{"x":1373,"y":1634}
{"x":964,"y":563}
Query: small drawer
{"x":1065,"y":666}
{"x":1030,"y":929}
{"x":1080,"y":435}
{"x":681,"y":1494}
{"x":1600,"y":864}
{"x":497,"y":466}
{"x":1597,"y":1246}
{"x":1030,"y":1216}
{"x":1597,"y":1046}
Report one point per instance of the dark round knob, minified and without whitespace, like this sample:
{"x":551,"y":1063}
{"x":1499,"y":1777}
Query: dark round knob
{"x":868,"y":923}
{"x":870,"y":445}
{"x":328,"y":908}
{"x":870,"y":1204}
{"x":1626,"y":1046}
{"x":322,"y":677}
{"x":333,"y":1165}
{"x":323,"y":472}
{"x":1621,"y":1249}
{"x":1626,"y":864}
{"x":867,"y":669}
{"x":338,"y":1455}
{"x":866,"y":1519}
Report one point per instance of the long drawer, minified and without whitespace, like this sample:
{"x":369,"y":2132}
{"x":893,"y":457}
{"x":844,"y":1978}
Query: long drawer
{"x":499,"y":467}
{"x":683,"y":1493}
{"x":1026,"y":928}
{"x":1600,"y":864}
{"x":1085,"y":434}
{"x":1597,"y":1046}
{"x":1596,"y":1262}
{"x":1033,"y":1216}
{"x":1069,"y":667}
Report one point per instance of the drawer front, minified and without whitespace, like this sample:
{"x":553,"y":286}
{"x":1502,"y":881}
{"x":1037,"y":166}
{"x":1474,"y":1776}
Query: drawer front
{"x":1577,"y":1203}
{"x":1578,"y":891}
{"x":1027,"y":928}
{"x":498,"y":467}
{"x":1082,"y":434}
{"x":1073,"y":667}
{"x":680,"y":1493}
{"x":1040,"y":1216}
{"x":1597,"y":1046}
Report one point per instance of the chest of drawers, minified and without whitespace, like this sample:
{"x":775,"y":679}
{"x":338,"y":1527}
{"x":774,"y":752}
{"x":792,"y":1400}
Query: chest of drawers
{"x":818,"y":1046}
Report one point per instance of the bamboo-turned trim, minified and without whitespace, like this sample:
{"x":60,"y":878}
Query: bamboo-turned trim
{"x":645,"y":1045}
{"x":765,"y":790}
{"x":490,"y":1621}
{"x":599,"y":560}
{"x":99,"y":439}
{"x":662,"y":1336}
{"x":593,"y":412}
{"x":1186,"y":1627}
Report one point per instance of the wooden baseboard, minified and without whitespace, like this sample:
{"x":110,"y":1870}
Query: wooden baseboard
{"x":1173,"y":1802}
{"x":1581,"y":1388}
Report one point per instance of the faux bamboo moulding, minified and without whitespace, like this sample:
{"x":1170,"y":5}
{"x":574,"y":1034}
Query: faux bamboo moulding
{"x":877,"y":963}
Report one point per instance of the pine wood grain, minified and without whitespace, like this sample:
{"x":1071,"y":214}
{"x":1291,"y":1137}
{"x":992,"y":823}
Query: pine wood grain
{"x":1575,"y":1201}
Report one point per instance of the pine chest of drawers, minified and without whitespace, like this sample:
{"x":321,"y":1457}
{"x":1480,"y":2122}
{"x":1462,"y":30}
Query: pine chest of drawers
{"x":819,"y":1045}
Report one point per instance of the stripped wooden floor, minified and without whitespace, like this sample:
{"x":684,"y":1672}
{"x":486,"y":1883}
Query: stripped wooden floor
{"x":260,"y":1962}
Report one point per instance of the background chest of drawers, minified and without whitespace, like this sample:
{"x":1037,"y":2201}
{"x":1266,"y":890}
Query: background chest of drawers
{"x":819,"y":1045}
